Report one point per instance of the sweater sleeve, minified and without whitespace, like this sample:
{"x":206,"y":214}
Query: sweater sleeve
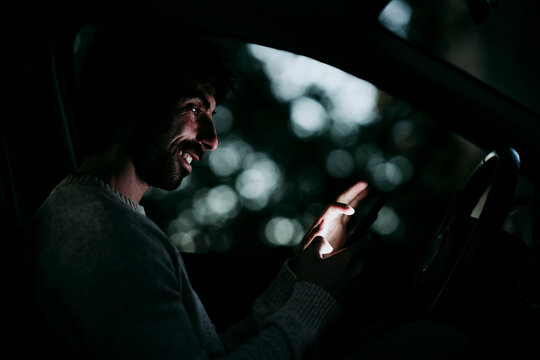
{"x":276,"y":295}
{"x":292,"y":331}
{"x":291,"y":311}
{"x":273,"y":298}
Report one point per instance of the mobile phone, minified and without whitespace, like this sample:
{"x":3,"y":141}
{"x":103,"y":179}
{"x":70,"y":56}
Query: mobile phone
{"x":362,"y":220}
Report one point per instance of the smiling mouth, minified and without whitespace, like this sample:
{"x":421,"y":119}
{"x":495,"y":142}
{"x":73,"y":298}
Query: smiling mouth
{"x":186,"y":156}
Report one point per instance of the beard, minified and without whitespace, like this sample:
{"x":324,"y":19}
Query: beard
{"x":158,"y":168}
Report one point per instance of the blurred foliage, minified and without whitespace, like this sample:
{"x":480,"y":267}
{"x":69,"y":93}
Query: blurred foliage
{"x":430,"y":163}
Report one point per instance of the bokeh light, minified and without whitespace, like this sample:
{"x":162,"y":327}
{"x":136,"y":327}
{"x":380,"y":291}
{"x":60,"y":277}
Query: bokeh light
{"x":222,"y":201}
{"x":310,"y":180}
{"x":228,"y":157}
{"x":282,"y":231}
{"x":258,"y":181}
{"x":350,"y":99}
{"x":387,"y":175}
{"x":339,"y":163}
{"x":388,"y":223}
{"x":185,"y":241}
{"x":396,"y":17}
{"x":223,"y":120}
{"x":344,"y":134}
{"x":308,"y":117}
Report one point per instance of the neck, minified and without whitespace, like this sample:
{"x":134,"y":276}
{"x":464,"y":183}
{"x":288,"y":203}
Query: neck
{"x":115,"y":167}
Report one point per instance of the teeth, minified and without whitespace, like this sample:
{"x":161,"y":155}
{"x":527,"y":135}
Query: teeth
{"x":186,"y":156}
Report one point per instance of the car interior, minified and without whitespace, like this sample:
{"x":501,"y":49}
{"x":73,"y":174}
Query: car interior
{"x":433,"y":103}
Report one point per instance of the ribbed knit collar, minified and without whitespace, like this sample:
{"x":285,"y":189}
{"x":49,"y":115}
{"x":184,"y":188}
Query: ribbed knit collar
{"x":92,"y":180}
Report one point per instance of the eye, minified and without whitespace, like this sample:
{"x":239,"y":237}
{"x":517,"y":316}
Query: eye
{"x":196,"y":110}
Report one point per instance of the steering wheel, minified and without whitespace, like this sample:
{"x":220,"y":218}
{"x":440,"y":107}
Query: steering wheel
{"x":459,"y":267}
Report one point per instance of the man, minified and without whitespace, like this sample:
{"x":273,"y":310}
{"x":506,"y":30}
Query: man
{"x":108,"y":282}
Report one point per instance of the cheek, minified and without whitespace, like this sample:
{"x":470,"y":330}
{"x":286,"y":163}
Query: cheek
{"x":182,"y":125}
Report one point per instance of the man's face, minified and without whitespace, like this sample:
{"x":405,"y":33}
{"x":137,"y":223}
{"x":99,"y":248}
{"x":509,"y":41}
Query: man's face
{"x":162,"y":160}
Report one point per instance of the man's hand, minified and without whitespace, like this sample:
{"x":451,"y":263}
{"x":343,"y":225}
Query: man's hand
{"x":322,"y":258}
{"x":337,"y":272}
{"x":332,"y":223}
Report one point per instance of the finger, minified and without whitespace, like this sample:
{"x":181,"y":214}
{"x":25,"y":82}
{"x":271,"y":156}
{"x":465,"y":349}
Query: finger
{"x":314,"y":230}
{"x":357,"y":199}
{"x":317,"y":246}
{"x":351,"y":193}
{"x":311,"y":234}
{"x":338,"y":208}
{"x":337,"y":212}
{"x":325,"y":248}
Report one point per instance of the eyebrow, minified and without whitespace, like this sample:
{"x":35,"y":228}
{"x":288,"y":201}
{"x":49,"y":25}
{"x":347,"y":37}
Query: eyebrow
{"x":200,"y":95}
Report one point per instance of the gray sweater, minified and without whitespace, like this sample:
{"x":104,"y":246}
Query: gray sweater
{"x":113,"y":286}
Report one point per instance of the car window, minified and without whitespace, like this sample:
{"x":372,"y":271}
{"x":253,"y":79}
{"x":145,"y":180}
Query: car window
{"x":294,"y":134}
{"x":494,"y":41}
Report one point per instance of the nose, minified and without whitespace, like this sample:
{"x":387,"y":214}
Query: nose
{"x":206,"y":133}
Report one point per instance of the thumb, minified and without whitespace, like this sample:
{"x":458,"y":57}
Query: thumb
{"x":319,"y":247}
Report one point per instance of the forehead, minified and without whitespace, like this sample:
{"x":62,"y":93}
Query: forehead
{"x":203,"y":91}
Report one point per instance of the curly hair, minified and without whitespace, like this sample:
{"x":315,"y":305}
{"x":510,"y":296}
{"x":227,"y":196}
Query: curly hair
{"x":132,"y":68}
